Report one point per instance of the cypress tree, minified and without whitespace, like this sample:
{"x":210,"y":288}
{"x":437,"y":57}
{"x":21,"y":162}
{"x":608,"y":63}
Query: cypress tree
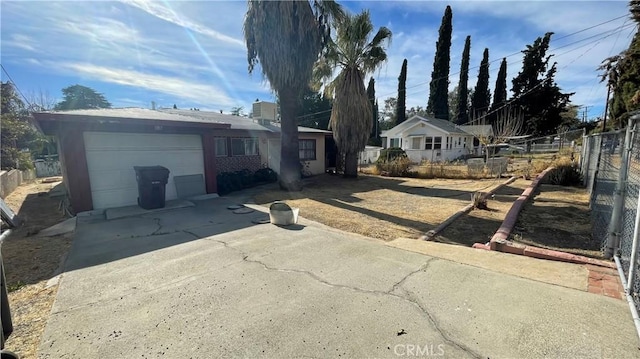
{"x":439,"y":87}
{"x":500,"y":92}
{"x":401,"y":107}
{"x":481,"y":94}
{"x":462,"y":112}
{"x":371,"y":95}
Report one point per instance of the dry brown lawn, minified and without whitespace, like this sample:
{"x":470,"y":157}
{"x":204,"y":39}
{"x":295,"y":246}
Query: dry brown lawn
{"x":380,"y":207}
{"x":558,"y":218}
{"x":30,"y":261}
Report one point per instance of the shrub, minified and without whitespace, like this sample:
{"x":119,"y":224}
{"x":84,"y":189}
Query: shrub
{"x":565,"y":175}
{"x":397,"y":167}
{"x":391,"y":153}
{"x":265,"y":175}
{"x":245,"y":177}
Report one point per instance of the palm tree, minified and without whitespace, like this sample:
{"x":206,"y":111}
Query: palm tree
{"x":351,"y":117}
{"x":286,"y":38}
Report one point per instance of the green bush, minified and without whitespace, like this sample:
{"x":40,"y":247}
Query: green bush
{"x":393,"y":162}
{"x":565,"y":175}
{"x":265,"y":175}
{"x":234,"y":181}
{"x":391,"y":153}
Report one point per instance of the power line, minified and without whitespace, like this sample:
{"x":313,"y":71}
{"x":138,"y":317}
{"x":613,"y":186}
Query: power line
{"x":15,"y":85}
{"x":604,"y":35}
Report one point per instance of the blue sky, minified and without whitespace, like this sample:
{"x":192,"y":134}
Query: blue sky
{"x":192,"y":53}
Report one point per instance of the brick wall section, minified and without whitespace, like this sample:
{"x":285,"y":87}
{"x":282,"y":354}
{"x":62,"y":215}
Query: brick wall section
{"x":237,"y":163}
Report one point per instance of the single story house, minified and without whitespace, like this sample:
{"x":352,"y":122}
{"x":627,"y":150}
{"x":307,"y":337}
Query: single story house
{"x":98,"y":149}
{"x":431,"y":139}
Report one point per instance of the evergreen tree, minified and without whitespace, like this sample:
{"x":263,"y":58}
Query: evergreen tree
{"x":17,"y":131}
{"x":622,"y":73}
{"x":462,"y":112}
{"x":439,"y":86}
{"x":78,"y":97}
{"x":401,"y":107}
{"x":371,"y":94}
{"x":535,"y":91}
{"x":499,"y":93}
{"x":314,"y":110}
{"x":481,"y":94}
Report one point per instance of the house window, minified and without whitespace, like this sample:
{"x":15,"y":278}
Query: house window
{"x":221,"y":147}
{"x":395,"y":142}
{"x":244,"y":146}
{"x":449,"y":142}
{"x":437,"y":143}
{"x":415,"y":143}
{"x":307,"y":150}
{"x":428,"y":143}
{"x":459,"y":141}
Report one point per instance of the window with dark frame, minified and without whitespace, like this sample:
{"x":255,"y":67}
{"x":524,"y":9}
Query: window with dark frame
{"x":437,"y":143}
{"x":307,"y":150}
{"x":221,"y":147}
{"x":244,"y":146}
{"x":428,"y":143}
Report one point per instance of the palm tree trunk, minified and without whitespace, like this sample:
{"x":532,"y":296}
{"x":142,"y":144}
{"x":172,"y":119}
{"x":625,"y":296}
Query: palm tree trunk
{"x":289,"y":147}
{"x":351,"y":165}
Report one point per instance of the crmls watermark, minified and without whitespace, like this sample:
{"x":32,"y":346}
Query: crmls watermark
{"x":417,"y":350}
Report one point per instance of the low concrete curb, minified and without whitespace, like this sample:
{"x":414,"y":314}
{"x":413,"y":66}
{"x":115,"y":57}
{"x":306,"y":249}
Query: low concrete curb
{"x":434,"y":232}
{"x":499,"y":241}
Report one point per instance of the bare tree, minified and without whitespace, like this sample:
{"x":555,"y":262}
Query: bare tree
{"x":40,"y":101}
{"x":508,"y":124}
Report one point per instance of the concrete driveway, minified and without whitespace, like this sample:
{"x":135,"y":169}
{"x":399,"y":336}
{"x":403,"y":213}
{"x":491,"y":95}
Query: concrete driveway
{"x":202,"y":282}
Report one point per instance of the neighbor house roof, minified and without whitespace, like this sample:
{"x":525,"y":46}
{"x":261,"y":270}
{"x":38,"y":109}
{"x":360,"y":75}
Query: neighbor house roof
{"x":443,"y":125}
{"x":185,"y":118}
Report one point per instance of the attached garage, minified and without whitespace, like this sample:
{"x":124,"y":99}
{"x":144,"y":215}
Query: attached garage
{"x":111,"y":157}
{"x":99,"y":148}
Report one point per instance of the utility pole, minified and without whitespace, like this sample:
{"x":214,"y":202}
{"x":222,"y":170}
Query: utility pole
{"x":606,"y":109}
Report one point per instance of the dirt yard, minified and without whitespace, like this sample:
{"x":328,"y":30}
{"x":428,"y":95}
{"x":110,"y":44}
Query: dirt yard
{"x":30,"y":261}
{"x":380,"y":207}
{"x":478,"y":226}
{"x":558,"y":218}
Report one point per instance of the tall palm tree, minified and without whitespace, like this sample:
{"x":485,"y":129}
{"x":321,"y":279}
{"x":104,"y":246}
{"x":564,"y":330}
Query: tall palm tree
{"x":286,"y":38}
{"x":357,"y":56}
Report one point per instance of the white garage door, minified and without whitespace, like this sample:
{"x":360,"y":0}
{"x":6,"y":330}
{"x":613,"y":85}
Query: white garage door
{"x":111,"y":157}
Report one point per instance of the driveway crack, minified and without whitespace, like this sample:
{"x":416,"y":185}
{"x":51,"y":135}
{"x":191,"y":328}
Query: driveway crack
{"x":404,"y":296}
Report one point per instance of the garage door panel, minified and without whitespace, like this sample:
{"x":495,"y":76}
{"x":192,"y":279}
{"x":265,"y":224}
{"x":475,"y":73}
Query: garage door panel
{"x":112,"y":156}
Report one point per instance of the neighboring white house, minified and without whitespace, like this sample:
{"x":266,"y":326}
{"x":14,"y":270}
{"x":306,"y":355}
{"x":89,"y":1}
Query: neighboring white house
{"x":430,"y":139}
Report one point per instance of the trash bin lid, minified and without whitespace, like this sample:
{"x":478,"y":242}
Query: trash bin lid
{"x":151,"y":173}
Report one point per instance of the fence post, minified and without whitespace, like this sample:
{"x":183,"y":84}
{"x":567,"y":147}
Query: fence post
{"x":634,"y":246}
{"x":615,"y":226}
{"x":584,"y":159}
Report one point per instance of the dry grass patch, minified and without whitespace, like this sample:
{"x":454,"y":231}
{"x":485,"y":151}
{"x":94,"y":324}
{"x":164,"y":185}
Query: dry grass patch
{"x":558,"y":218}
{"x":380,"y":207}
{"x":30,"y":261}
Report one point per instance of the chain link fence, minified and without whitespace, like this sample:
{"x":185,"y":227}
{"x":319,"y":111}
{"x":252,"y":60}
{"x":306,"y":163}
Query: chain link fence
{"x":610,"y":164}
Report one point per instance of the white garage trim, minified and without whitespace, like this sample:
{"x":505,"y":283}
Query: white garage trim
{"x":111,"y":157}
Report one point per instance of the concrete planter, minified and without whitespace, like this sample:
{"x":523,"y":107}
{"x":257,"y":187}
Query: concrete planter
{"x":281,"y":214}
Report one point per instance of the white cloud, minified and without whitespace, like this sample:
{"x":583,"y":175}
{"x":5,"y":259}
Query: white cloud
{"x":166,"y":13}
{"x":192,"y":91}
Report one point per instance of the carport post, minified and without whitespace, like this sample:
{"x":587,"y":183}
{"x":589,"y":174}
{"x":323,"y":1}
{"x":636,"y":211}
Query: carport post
{"x":615,"y":226}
